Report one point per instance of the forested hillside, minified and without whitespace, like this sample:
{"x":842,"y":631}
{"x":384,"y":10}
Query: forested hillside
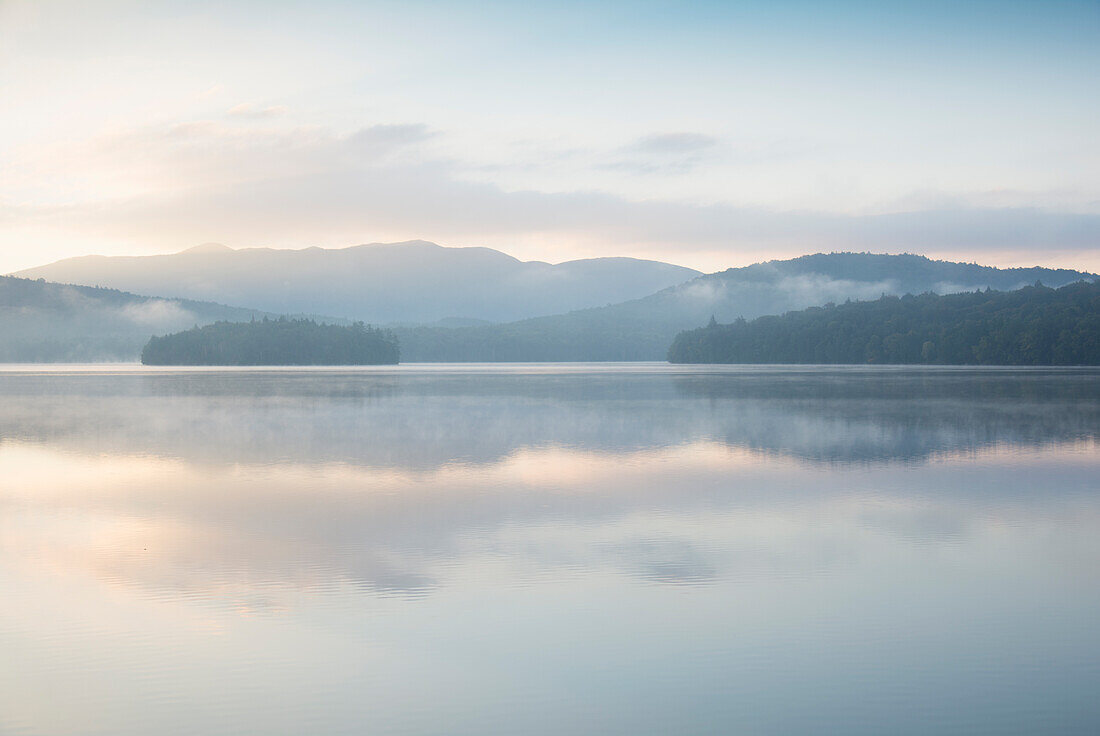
{"x":42,"y":321}
{"x":642,"y":329}
{"x":274,"y":342}
{"x":47,"y":322}
{"x":1036,"y":325}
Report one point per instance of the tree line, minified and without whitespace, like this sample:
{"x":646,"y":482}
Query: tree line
{"x":274,"y":342}
{"x":1035,"y":325}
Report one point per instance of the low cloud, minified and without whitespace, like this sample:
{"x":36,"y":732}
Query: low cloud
{"x":675,"y":143}
{"x":664,"y":153}
{"x":683,"y":153}
{"x":388,"y":136}
{"x":254,"y":112}
{"x":808,"y":290}
{"x":157,"y":313}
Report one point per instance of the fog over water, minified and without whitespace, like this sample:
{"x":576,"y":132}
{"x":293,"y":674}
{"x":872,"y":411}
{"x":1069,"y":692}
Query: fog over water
{"x":636,"y":549}
{"x":421,"y":417}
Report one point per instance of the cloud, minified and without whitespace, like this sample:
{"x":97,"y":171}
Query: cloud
{"x":664,"y":153}
{"x":682,"y":153}
{"x":156,"y":312}
{"x":306,"y":185}
{"x":675,"y":143}
{"x":389,"y":136}
{"x":254,"y":112}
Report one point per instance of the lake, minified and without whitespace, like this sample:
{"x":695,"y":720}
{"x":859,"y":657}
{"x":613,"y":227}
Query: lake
{"x":549,"y":549}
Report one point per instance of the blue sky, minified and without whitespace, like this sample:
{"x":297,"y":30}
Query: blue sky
{"x":708,"y":134}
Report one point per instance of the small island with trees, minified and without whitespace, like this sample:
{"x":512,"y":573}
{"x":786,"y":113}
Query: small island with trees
{"x":274,"y":342}
{"x":1035,"y":325}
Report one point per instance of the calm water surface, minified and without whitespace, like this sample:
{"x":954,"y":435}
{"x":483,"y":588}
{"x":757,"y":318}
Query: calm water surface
{"x":580,"y":549}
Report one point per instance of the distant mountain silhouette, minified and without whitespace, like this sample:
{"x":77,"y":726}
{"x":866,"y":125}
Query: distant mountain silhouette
{"x":47,"y":322}
{"x":413,"y":282}
{"x":643,"y":329}
{"x":51,"y":322}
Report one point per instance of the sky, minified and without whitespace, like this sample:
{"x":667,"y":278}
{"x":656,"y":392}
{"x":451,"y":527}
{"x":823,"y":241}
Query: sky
{"x":705,"y":134}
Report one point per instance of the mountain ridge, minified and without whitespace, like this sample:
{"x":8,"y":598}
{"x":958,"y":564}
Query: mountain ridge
{"x":642,"y":329}
{"x":413,"y":282}
{"x":635,"y":329}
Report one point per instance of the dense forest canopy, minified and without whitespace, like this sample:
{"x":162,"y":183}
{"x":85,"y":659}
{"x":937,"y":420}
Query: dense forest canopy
{"x":1035,"y":325}
{"x":274,"y":342}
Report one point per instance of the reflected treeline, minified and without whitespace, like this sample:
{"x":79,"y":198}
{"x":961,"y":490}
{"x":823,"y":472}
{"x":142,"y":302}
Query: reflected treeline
{"x":424,"y":420}
{"x":280,"y":480}
{"x":901,"y":414}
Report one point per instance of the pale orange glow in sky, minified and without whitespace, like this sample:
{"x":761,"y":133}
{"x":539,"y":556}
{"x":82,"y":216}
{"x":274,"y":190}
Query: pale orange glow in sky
{"x":714,"y":136}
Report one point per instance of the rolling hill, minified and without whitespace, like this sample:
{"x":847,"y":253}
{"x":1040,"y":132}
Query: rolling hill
{"x":643,"y":329}
{"x":414,"y":282}
{"x":42,"y":322}
{"x":53,"y":322}
{"x":1035,"y":325}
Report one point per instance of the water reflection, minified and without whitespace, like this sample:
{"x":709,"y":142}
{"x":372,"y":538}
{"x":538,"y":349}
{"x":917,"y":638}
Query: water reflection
{"x":426,"y":420}
{"x":643,"y":551}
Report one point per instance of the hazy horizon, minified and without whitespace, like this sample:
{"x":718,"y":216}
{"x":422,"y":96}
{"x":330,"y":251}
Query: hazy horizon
{"x":708,"y":135}
{"x":212,"y":246}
